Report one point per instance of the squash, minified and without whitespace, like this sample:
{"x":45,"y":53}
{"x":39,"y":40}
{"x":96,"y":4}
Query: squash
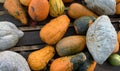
{"x":67,"y":1}
{"x":38,"y":9}
{"x":77,"y":10}
{"x":38,"y":60}
{"x":117,"y":1}
{"x":89,"y":64}
{"x":81,"y":24}
{"x":116,"y":48}
{"x":25,"y":2}
{"x":70,"y":45}
{"x":53,"y":31}
{"x":68,"y":63}
{"x":15,"y":9}
{"x":56,"y":7}
{"x":118,"y":37}
{"x":118,"y":8}
{"x":12,"y":61}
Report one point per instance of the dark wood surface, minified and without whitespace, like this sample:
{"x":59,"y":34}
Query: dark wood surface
{"x":31,"y":40}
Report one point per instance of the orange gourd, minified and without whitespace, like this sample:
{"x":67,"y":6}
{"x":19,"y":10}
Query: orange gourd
{"x":25,"y":2}
{"x":53,"y":31}
{"x":77,"y":10}
{"x":38,"y":9}
{"x":15,"y":9}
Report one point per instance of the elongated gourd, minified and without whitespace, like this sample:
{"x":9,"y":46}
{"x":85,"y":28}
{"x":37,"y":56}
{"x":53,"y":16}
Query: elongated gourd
{"x":15,"y":9}
{"x":53,"y":31}
{"x":70,"y":45}
{"x":38,"y":60}
{"x":68,"y":63}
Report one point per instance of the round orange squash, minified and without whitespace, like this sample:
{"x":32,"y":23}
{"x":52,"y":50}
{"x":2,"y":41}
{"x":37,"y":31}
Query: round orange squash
{"x":38,"y":9}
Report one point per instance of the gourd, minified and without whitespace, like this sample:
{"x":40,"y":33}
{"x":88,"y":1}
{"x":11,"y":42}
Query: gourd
{"x":102,"y":7}
{"x":12,"y":61}
{"x":118,"y":36}
{"x":70,"y":45}
{"x":53,"y":31}
{"x":15,"y":9}
{"x":56,"y":7}
{"x":117,"y":1}
{"x":67,"y":1}
{"x":38,"y":60}
{"x":68,"y":63}
{"x":25,"y":2}
{"x":89,"y":64}
{"x":82,"y":24}
{"x":118,"y":8}
{"x":38,"y":9}
{"x":77,"y":10}
{"x":100,"y":43}
{"x":9,"y":35}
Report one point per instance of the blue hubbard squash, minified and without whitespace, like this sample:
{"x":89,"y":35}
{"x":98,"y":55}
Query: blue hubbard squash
{"x":82,"y":24}
{"x":68,"y":63}
{"x":70,"y":45}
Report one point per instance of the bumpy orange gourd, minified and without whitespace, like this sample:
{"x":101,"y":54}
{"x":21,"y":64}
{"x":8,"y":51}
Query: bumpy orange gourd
{"x":38,"y":9}
{"x":38,"y":60}
{"x":77,"y":10}
{"x":15,"y":9}
{"x":53,"y":31}
{"x":25,"y":2}
{"x":56,"y":7}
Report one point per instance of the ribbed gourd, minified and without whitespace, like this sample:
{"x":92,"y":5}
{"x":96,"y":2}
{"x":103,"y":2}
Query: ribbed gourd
{"x":56,"y":7}
{"x":53,"y":31}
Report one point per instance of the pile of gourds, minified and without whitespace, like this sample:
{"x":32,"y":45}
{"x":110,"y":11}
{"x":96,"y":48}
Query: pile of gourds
{"x":77,"y":52}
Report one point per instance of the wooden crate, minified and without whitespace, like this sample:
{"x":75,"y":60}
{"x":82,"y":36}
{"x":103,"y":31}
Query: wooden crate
{"x":31,"y":40}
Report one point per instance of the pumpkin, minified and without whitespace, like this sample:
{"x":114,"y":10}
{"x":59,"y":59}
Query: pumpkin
{"x":118,"y":8}
{"x":38,"y":9}
{"x":70,"y":45}
{"x":89,"y":64}
{"x":38,"y":60}
{"x":77,"y":10}
{"x":53,"y":31}
{"x":67,"y":1}
{"x":68,"y":63}
{"x":56,"y":8}
{"x":81,"y":24}
{"x":25,"y":2}
{"x":15,"y":9}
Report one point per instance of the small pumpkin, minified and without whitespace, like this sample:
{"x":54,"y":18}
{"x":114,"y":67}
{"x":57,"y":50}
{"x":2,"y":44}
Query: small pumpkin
{"x":15,"y":9}
{"x":68,"y":63}
{"x":77,"y":10}
{"x":38,"y":9}
{"x":81,"y":24}
{"x":25,"y":2}
{"x":56,"y":7}
{"x":53,"y":31}
{"x":38,"y":60}
{"x":89,"y":64}
{"x":67,"y":1}
{"x":70,"y":45}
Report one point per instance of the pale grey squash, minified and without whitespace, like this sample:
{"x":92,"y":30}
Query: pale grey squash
{"x":12,"y":61}
{"x":102,"y":7}
{"x":9,"y":35}
{"x":101,"y":39}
